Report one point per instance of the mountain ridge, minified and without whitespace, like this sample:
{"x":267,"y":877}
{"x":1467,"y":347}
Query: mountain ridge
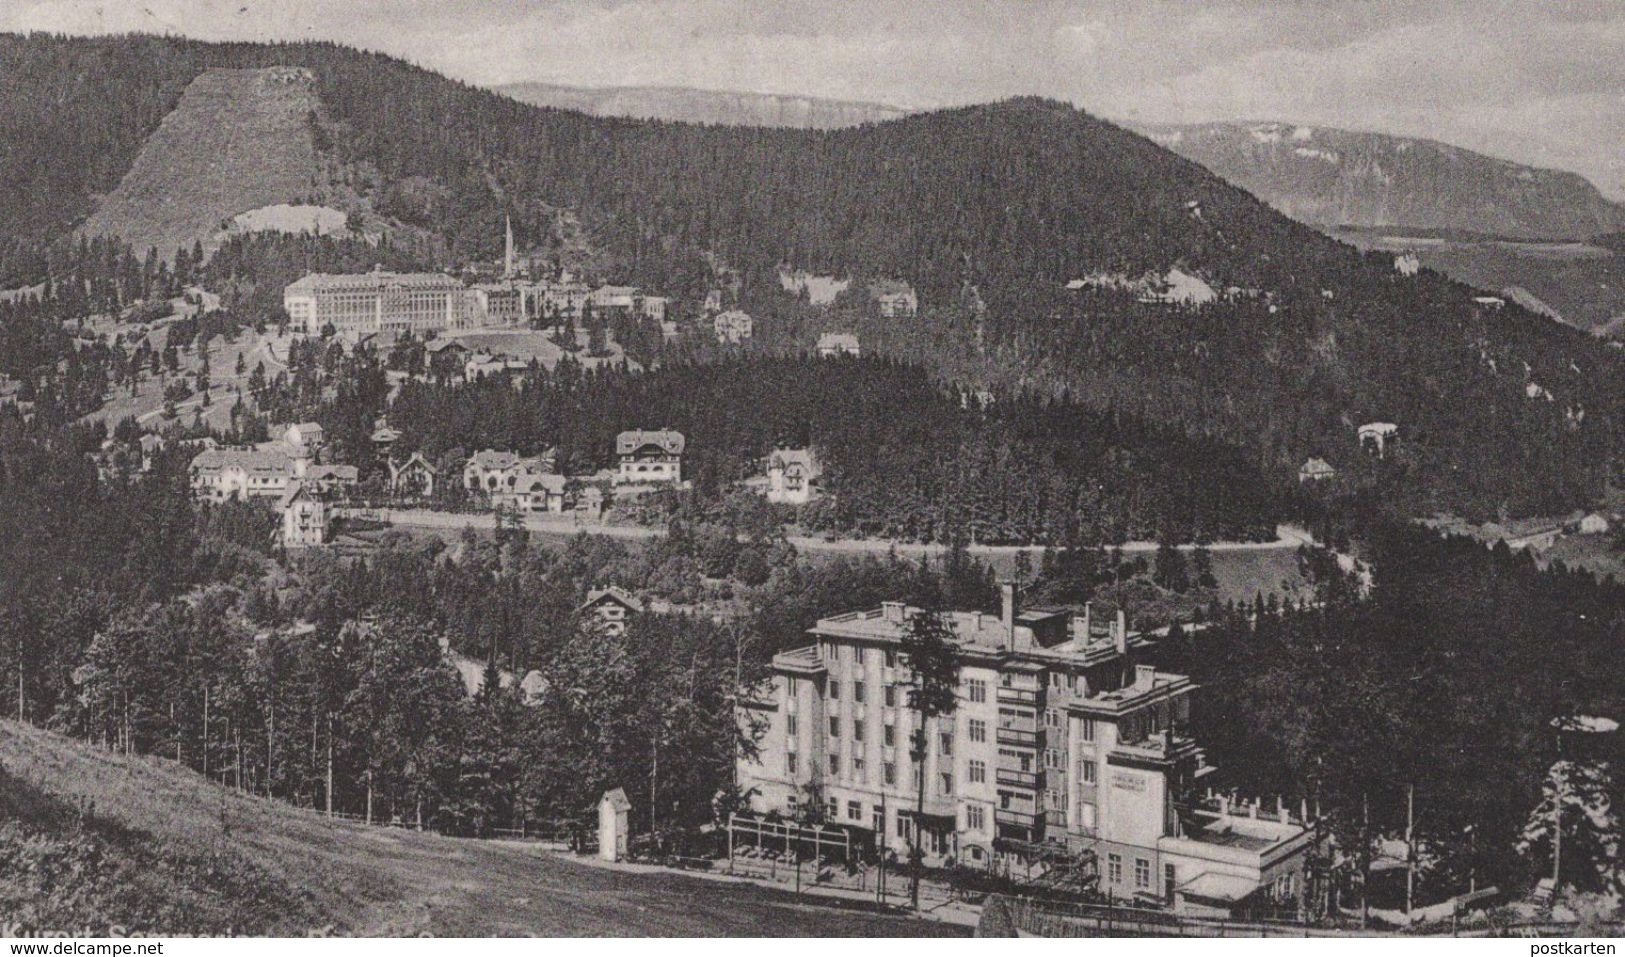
{"x":693,"y":105}
{"x":1330,"y":177}
{"x":992,"y":213}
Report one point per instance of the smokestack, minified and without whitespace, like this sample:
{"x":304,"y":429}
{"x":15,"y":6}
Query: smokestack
{"x":1120,"y":632}
{"x":1007,"y":617}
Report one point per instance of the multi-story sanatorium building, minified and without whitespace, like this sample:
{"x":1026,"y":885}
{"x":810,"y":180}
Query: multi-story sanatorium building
{"x":1064,"y":739}
{"x":364,"y":304}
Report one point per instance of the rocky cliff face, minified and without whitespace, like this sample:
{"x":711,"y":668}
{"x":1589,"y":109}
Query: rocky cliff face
{"x":1330,"y":177}
{"x":704,"y":106}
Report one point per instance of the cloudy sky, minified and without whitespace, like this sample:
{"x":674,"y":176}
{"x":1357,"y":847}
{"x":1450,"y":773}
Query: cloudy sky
{"x":1538,"y":81}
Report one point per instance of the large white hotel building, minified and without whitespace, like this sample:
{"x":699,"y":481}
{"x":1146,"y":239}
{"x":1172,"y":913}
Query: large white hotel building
{"x":1064,"y":739}
{"x":363,"y":304}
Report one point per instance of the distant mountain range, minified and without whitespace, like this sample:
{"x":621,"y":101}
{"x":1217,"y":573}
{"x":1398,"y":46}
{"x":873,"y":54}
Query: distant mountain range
{"x":703,"y":106}
{"x":1334,"y":178}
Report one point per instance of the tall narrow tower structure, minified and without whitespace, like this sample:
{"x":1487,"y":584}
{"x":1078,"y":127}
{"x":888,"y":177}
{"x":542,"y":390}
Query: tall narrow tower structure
{"x":507,"y":258}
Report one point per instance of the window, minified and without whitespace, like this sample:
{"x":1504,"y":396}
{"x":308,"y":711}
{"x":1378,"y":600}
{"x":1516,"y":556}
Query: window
{"x":888,"y":735}
{"x":889,"y":773}
{"x":877,"y":819}
{"x":902,"y":826}
{"x":857,"y":730}
{"x":857,"y":766}
{"x":834,"y":809}
{"x":834,"y":727}
{"x":978,"y":730}
{"x":1052,"y":718}
{"x":1142,"y":872}
{"x":835,"y":762}
{"x":790,"y":762}
{"x":947,"y":782}
{"x":859,"y":692}
{"x":890,"y":696}
{"x":978,"y":772}
{"x":1086,"y":772}
{"x":854,"y":810}
{"x":1114,"y":866}
{"x":975,"y":817}
{"x":978,"y":690}
{"x":790,"y":725}
{"x":1087,"y":728}
{"x":834,"y":690}
{"x":891,"y":659}
{"x":947,"y":744}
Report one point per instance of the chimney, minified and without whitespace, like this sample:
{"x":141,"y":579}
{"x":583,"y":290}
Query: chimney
{"x":1007,"y":592}
{"x":1120,"y":632}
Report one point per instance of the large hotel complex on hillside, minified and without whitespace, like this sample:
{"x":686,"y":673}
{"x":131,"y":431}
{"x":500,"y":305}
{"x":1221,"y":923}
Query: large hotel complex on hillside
{"x":363,"y":304}
{"x":1063,"y":739}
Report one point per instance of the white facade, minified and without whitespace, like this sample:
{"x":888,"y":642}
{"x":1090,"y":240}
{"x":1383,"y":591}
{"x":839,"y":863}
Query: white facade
{"x":363,"y":304}
{"x":1062,"y":736}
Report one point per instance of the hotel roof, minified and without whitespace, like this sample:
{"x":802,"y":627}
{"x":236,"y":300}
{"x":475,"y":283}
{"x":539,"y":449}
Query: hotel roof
{"x":976,"y":632}
{"x":377,"y":279}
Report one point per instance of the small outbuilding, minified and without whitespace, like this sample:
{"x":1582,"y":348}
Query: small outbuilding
{"x":614,"y":824}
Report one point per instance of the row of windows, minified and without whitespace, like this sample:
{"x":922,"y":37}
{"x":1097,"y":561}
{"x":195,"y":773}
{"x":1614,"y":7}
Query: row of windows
{"x":1142,"y":870}
{"x":975,"y":817}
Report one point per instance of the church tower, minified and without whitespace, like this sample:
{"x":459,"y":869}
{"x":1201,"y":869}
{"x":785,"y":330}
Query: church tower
{"x":507,"y":258}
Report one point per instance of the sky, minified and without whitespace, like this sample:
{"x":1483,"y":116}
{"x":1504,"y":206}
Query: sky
{"x":1537,"y":81}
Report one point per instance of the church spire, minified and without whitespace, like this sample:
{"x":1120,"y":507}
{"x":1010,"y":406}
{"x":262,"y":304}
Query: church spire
{"x":507,"y":259}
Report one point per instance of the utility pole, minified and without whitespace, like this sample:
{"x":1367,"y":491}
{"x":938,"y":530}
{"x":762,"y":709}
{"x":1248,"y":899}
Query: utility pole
{"x":1365,"y":860}
{"x":205,"y":730}
{"x":1410,"y":846}
{"x":1557,"y":835}
{"x":880,"y":852}
{"x":329,"y":765}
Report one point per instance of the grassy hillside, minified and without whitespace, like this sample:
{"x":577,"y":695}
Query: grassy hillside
{"x":237,"y":140}
{"x":90,"y":839}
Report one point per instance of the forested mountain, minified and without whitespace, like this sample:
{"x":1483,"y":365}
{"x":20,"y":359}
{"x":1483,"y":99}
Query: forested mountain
{"x":1331,"y":177}
{"x":988,"y":211}
{"x":688,"y":105}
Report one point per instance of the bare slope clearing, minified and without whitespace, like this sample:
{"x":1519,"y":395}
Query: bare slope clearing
{"x":238,"y":140}
{"x":150,"y":814}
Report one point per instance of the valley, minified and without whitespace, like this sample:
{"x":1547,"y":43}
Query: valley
{"x":995,"y":487}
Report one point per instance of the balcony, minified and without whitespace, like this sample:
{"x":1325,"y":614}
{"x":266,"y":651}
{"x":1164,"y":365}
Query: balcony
{"x":1018,"y":737}
{"x":1011,"y":816}
{"x":1029,"y":780}
{"x":1029,"y":697}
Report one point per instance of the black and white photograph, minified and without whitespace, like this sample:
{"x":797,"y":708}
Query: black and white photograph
{"x":1140,"y":469}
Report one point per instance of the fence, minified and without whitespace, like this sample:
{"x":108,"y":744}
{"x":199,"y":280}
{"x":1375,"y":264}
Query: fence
{"x":1007,"y":916}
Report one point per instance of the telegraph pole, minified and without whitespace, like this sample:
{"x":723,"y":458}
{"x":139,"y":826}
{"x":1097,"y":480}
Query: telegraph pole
{"x":1365,"y":860}
{"x":1410,"y":846}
